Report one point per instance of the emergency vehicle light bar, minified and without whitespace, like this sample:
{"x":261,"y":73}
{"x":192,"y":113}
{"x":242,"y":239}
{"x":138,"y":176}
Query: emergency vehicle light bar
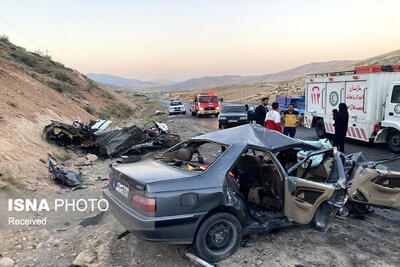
{"x":358,"y":70}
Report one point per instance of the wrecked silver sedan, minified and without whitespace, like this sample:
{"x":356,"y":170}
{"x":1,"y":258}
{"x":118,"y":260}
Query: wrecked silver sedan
{"x":213,"y":189}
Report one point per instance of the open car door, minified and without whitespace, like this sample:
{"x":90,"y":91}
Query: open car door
{"x":376,"y":187}
{"x":303,"y":198}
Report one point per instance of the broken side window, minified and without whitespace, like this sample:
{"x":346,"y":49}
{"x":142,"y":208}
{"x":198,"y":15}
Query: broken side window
{"x":258,"y":178}
{"x":193,"y":155}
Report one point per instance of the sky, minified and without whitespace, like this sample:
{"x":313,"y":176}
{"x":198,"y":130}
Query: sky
{"x":177,"y":40}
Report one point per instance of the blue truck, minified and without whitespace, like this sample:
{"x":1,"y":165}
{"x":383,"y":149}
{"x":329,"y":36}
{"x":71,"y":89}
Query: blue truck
{"x":285,"y":101}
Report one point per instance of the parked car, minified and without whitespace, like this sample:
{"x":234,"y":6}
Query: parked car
{"x":212,"y":189}
{"x":232,"y":115}
{"x":176,"y":107}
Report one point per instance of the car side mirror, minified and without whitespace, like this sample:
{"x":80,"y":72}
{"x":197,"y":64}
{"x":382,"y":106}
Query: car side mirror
{"x":221,"y":99}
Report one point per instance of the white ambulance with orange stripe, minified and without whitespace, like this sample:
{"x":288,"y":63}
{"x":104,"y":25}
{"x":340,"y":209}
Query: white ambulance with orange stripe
{"x":372,"y":95}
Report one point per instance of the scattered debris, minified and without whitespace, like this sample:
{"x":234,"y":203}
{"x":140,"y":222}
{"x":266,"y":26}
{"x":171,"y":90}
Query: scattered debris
{"x":1,"y":116}
{"x":63,"y":191}
{"x":91,"y":157}
{"x":63,"y":176}
{"x":159,"y":112}
{"x":129,"y":158}
{"x":84,"y":258}
{"x":6,"y":262}
{"x":58,"y":160}
{"x":123,"y":234}
{"x":83,"y":186}
{"x":197,"y":260}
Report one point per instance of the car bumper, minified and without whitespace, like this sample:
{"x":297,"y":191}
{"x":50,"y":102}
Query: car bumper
{"x":170,"y":229}
{"x":226,"y":122}
{"x":176,"y":111}
{"x":208,"y":112}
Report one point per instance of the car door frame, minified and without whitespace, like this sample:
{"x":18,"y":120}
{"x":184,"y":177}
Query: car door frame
{"x":333,"y":194}
{"x":373,"y":187}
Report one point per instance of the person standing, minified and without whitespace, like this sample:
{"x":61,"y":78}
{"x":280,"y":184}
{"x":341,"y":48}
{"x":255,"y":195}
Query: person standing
{"x":261,"y":111}
{"x":273,"y":119}
{"x":341,"y":119}
{"x":291,"y":121}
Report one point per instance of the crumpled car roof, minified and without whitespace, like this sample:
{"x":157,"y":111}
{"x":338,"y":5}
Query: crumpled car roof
{"x":254,"y":135}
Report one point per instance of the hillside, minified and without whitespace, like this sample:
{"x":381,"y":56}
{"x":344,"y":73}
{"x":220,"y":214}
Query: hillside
{"x":34,"y":90}
{"x":124,"y":83}
{"x":215,"y":81}
{"x":119,"y":82}
{"x":293,"y":86}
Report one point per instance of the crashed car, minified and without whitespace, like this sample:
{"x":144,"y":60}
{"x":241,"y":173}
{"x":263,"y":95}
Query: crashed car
{"x":94,"y":138}
{"x":212,"y":189}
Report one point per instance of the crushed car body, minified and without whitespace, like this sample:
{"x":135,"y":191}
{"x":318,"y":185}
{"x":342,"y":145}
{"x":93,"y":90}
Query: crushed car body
{"x":214,"y":188}
{"x":94,"y":138}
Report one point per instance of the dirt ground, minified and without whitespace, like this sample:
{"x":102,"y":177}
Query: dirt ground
{"x":93,"y":238}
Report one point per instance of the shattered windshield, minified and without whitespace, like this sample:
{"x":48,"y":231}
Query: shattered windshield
{"x":208,"y":98}
{"x":193,"y":155}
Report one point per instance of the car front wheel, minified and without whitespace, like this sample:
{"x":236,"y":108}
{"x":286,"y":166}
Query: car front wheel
{"x":218,"y":237}
{"x":394,"y":141}
{"x":320,"y":128}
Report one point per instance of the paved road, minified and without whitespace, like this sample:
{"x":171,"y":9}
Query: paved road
{"x":371,"y":151}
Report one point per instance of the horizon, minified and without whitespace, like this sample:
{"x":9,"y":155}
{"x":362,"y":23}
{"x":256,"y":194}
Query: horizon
{"x":175,"y":41}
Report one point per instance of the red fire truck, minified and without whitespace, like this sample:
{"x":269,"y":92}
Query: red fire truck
{"x":205,"y":103}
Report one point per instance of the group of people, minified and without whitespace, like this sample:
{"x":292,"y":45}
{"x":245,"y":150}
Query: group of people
{"x":271,"y":119}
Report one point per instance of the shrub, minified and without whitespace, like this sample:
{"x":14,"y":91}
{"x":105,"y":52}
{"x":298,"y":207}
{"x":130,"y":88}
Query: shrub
{"x":12,"y":104}
{"x":120,"y":111}
{"x":28,"y":60}
{"x":90,"y":109}
{"x":61,"y":87}
{"x":62,"y":77}
{"x":106,"y":94}
{"x":4,"y":39}
{"x":91,"y":86}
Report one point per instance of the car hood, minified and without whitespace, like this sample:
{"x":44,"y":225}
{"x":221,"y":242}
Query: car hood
{"x":230,"y":114}
{"x":151,"y":171}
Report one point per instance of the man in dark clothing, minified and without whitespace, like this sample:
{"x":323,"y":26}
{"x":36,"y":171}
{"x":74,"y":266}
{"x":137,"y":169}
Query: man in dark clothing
{"x":261,"y":111}
{"x":341,"y":119}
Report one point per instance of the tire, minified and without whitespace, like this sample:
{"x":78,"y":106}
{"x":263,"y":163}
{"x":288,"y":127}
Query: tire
{"x":394,"y":141}
{"x":184,"y":112}
{"x":320,"y":128}
{"x":219,"y":126}
{"x":193,"y":114}
{"x":218,"y":237}
{"x":197,"y":115}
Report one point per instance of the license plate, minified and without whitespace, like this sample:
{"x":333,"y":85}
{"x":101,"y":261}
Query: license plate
{"x":121,"y":189}
{"x":232,"y":120}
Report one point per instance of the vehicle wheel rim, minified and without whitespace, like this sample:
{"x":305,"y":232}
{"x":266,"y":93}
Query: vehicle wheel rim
{"x":396,"y":140}
{"x":220,"y":237}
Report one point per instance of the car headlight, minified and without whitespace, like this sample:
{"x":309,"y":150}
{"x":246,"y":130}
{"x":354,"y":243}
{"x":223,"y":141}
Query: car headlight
{"x":222,"y":118}
{"x":243,"y":118}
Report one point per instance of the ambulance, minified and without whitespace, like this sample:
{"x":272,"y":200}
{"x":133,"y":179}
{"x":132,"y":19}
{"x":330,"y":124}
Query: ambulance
{"x":372,"y":95}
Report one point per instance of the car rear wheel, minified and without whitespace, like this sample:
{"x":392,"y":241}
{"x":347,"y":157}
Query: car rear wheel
{"x":394,"y":141}
{"x":320,"y":128}
{"x":218,"y":237}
